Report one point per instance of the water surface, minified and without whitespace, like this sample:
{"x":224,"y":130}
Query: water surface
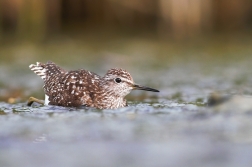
{"x":170,"y":128}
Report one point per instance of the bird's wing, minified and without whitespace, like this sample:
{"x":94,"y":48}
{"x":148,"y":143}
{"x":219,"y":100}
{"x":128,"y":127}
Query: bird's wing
{"x":76,"y":86}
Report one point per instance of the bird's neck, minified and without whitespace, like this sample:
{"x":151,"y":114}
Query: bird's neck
{"x":107,"y":100}
{"x":107,"y":97}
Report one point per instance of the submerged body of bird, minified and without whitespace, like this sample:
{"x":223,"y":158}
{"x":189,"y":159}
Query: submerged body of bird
{"x":82,"y":87}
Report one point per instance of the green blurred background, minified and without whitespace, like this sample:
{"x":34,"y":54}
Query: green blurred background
{"x":146,"y":37}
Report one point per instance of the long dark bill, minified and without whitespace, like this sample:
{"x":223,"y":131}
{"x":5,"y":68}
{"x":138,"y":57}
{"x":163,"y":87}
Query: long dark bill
{"x":139,"y":87}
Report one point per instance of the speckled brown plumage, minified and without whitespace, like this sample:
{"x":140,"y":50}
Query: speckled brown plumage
{"x":82,"y":87}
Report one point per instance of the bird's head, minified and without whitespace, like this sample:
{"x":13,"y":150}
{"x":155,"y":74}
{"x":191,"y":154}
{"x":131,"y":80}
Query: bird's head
{"x":120,"y":83}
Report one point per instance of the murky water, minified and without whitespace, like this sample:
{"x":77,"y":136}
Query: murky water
{"x":170,"y":128}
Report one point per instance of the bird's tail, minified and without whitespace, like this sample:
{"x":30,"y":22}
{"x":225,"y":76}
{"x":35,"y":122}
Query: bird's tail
{"x":45,"y":71}
{"x":39,"y":69}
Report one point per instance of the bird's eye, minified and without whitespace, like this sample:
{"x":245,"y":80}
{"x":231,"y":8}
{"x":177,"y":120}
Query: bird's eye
{"x":118,"y":80}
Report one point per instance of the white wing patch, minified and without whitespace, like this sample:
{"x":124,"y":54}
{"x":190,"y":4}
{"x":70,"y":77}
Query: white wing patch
{"x":46,"y":100}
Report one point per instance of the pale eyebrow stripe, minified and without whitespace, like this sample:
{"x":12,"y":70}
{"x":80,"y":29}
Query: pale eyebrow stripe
{"x":126,"y":80}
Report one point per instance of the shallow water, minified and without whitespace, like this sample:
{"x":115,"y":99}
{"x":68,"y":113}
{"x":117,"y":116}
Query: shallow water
{"x":170,"y":128}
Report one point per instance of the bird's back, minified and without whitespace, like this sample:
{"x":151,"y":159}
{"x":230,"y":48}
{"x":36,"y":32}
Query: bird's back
{"x":73,"y":88}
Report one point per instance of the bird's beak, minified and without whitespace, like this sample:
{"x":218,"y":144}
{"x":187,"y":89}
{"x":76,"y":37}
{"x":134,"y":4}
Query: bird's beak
{"x":139,"y":87}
